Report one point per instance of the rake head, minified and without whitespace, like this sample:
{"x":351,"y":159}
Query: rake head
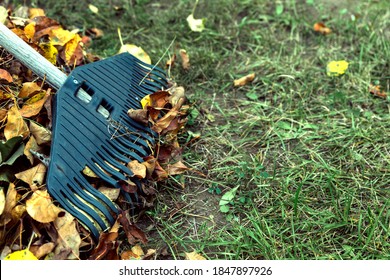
{"x":84,"y":137}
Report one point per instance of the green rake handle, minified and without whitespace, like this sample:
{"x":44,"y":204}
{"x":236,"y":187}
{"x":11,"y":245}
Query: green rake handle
{"x":38,"y":64}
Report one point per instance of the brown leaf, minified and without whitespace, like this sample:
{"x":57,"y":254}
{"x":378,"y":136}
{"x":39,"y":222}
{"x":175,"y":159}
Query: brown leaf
{"x":44,"y":26}
{"x":244,"y":80}
{"x":376,"y":91}
{"x":194,"y":256}
{"x":41,"y":208}
{"x":164,"y":122}
{"x":129,"y":255}
{"x":29,"y":89}
{"x":107,"y":244}
{"x":33,"y":107}
{"x":5,"y":76}
{"x":68,"y":236}
{"x":177,"y":168}
{"x":34,"y":176}
{"x":159,"y":174}
{"x":128,"y":186}
{"x":95,"y":32}
{"x":133,"y":233}
{"x":41,"y":134}
{"x":15,"y":126}
{"x":171,"y":62}
{"x":150,"y":164}
{"x":43,"y":250}
{"x":138,"y":169}
{"x":139,"y":115}
{"x":320,"y":27}
{"x":185,"y":60}
{"x":159,"y":99}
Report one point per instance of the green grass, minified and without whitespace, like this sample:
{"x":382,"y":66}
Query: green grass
{"x":309,"y":152}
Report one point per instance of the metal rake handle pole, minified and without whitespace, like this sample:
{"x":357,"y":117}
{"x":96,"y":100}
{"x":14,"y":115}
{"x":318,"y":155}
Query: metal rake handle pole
{"x":38,"y":64}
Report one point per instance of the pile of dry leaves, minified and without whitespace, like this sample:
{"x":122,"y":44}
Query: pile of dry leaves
{"x":30,"y":221}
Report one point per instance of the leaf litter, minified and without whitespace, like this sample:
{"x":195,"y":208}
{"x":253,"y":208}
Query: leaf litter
{"x":26,"y":209}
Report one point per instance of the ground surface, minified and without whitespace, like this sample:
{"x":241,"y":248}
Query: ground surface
{"x":309,"y":153}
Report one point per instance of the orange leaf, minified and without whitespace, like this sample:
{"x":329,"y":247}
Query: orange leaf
{"x":73,"y":51}
{"x":29,"y":89}
{"x":321,"y":28}
{"x":244,"y":80}
{"x":5,"y":76}
{"x":15,"y":126}
{"x":33,"y":106}
{"x":29,"y":30}
{"x":185,"y":60}
{"x":376,"y":91}
{"x":138,"y":169}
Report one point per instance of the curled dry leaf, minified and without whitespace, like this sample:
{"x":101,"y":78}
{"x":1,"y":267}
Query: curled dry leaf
{"x":111,"y":193}
{"x":133,"y":233}
{"x":177,"y":168}
{"x":5,"y":76}
{"x":138,"y":169}
{"x":34,"y":105}
{"x":244,"y":80}
{"x":30,"y":145}
{"x":41,"y":134}
{"x":11,"y":210}
{"x":139,"y":115}
{"x":320,"y":27}
{"x":185,"y":59}
{"x":68,"y":236}
{"x":29,"y":89}
{"x":41,"y":208}
{"x":15,"y":126}
{"x":34,"y":176}
{"x":43,"y":250}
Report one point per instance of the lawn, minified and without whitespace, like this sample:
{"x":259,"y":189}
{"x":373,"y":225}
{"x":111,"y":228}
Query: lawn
{"x":300,"y":159}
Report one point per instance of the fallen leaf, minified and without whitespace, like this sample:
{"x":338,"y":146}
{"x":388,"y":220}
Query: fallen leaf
{"x":376,"y":91}
{"x":3,"y":14}
{"x":177,"y":168}
{"x":129,"y":255}
{"x":35,"y":12}
{"x":68,"y":236}
{"x":336,"y":68}
{"x":138,"y":52}
{"x":2,"y":200}
{"x":49,"y":52}
{"x":111,"y":193}
{"x":29,"y":30}
{"x":177,"y":94}
{"x":133,"y":233}
{"x":5,"y":76}
{"x":244,"y":80}
{"x":29,"y":89}
{"x":40,"y":133}
{"x":30,"y":145}
{"x":139,"y":115}
{"x":11,"y":200}
{"x":138,"y":169}
{"x":34,"y":176}
{"x":73,"y":51}
{"x":41,"y":208}
{"x":61,"y":36}
{"x":159,"y":174}
{"x":44,"y":26}
{"x":150,"y":164}
{"x":194,"y":256}
{"x":15,"y":126}
{"x":185,"y":59}
{"x":196,"y":25}
{"x":95,"y":32}
{"x":93,"y":9}
{"x":107,"y":247}
{"x":321,"y":28}
{"x":43,"y":250}
{"x":24,"y":255}
{"x":34,"y":105}
{"x":88,"y":172}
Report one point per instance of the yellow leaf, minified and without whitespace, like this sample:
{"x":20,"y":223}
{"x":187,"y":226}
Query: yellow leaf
{"x":138,"y":169}
{"x":3,"y":14}
{"x":2,"y":200}
{"x":336,"y":68}
{"x":29,"y":30}
{"x":49,"y":52}
{"x":10,"y":202}
{"x":30,"y":145}
{"x":93,"y":9}
{"x":194,"y":256}
{"x":145,"y":101}
{"x":71,"y":47}
{"x":196,"y":25}
{"x":34,"y":176}
{"x":111,"y":193}
{"x":41,"y":208}
{"x":88,"y":171}
{"x":138,"y":52}
{"x":61,"y":36}
{"x":41,"y":134}
{"x":29,"y":89}
{"x":35,"y":12}
{"x":137,"y":250}
{"x":33,"y":106}
{"x":244,"y":80}
{"x":24,"y":255}
{"x":15,"y":126}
